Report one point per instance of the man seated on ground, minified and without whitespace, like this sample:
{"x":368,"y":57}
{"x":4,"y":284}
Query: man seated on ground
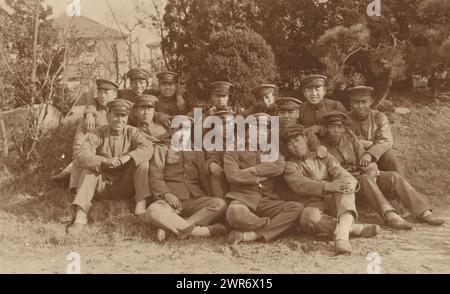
{"x":375,"y":186}
{"x":256,"y":211}
{"x":265,"y":100}
{"x":106,"y":91}
{"x":372,"y":128}
{"x":182,"y":191}
{"x":144,"y":110}
{"x":326,"y":190}
{"x":115,"y":160}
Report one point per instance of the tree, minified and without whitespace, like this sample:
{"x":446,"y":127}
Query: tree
{"x":241,"y":57}
{"x":34,"y":54}
{"x":295,"y":30}
{"x":289,"y":26}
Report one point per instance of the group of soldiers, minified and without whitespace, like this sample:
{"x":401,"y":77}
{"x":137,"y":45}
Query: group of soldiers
{"x":328,"y":159}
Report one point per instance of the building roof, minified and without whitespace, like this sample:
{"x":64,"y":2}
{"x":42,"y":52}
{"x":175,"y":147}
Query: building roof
{"x":87,"y":28}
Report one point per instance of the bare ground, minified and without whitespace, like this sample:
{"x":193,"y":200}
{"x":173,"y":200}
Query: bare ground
{"x":32,"y":238}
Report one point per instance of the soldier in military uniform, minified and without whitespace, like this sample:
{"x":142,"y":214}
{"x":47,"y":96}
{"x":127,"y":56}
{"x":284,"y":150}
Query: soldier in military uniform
{"x":265,"y":100}
{"x":375,"y":185}
{"x":139,"y":85}
{"x":316,"y":105}
{"x":255,"y":210}
{"x":158,"y":134}
{"x":372,"y":128}
{"x":168,"y":99}
{"x":182,"y":191}
{"x":219,"y":98}
{"x":289,"y":114}
{"x":288,"y":109}
{"x":214,"y":162}
{"x":326,"y":190}
{"x":106,"y":91}
{"x":115,"y":160}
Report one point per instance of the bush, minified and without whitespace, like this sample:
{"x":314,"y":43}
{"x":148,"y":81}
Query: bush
{"x":241,"y":57}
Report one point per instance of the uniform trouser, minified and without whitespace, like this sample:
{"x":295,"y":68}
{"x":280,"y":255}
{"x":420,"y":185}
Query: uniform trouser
{"x":390,"y":162}
{"x":75,"y":175}
{"x":387,"y":185}
{"x":321,"y":215}
{"x":132,"y":181}
{"x":199,"y":211}
{"x":271,"y":218}
{"x":219,"y":187}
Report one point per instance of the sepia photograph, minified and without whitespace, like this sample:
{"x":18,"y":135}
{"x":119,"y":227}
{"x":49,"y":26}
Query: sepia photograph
{"x":224,"y":137}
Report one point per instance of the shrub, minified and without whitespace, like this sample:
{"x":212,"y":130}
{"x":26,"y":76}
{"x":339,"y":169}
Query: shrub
{"x":241,"y":57}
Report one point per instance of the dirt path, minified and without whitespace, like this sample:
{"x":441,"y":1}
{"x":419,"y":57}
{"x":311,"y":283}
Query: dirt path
{"x":425,"y":249}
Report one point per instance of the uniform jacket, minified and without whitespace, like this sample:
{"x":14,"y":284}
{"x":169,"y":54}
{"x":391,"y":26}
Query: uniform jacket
{"x":184,"y":177}
{"x":101,"y":144}
{"x":244,"y":184}
{"x":160,"y":137}
{"x":348,"y":153}
{"x":262,"y":108}
{"x":80,"y":134}
{"x":307,"y":177}
{"x":169,"y":106}
{"x":310,"y":116}
{"x":375,"y":129}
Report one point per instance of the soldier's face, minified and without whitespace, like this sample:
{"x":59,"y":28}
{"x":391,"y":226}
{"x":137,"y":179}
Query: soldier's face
{"x":168,"y":89}
{"x":220,"y":100}
{"x":117,"y":121}
{"x":145,"y":113}
{"x":269,"y":99}
{"x":314,"y":95}
{"x":138,"y":86}
{"x":288,"y":117}
{"x":106,"y":95}
{"x":335,"y":132}
{"x":298,"y":146}
{"x":361,"y":107}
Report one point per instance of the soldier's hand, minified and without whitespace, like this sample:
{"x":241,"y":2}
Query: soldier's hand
{"x":116,"y":162}
{"x":173,"y":201}
{"x":365,"y":160}
{"x":89,"y":122}
{"x":109,"y":162}
{"x":349,"y":186}
{"x":180,"y":102}
{"x":367,"y":144}
{"x":336,"y":186}
{"x":322,"y":152}
{"x":251,"y":170}
{"x":217,"y":170}
{"x":124,"y":159}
